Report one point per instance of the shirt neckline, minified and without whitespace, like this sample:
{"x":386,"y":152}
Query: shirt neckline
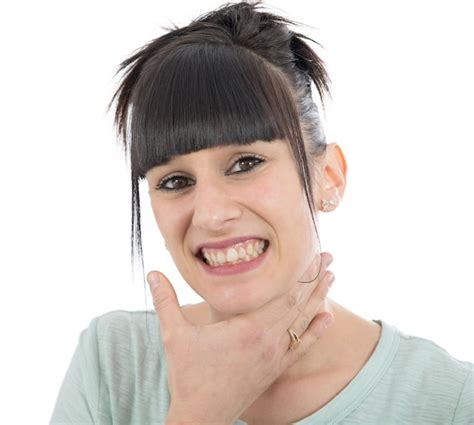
{"x":361,"y":385}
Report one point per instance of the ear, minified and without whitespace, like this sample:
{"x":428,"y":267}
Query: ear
{"x":334,"y":175}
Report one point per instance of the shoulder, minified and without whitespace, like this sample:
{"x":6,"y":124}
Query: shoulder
{"x":426,"y":358}
{"x":123,"y":366}
{"x":116,"y":367}
{"x":418,"y":382}
{"x":426,"y":377}
{"x":123,"y":322}
{"x":126,"y":343}
{"x":123,"y":336}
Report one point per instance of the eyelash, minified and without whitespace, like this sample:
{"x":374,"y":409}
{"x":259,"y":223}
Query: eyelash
{"x":160,"y":185}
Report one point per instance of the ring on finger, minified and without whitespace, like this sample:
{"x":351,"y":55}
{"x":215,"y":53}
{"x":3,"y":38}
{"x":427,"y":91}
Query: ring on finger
{"x":295,"y":339}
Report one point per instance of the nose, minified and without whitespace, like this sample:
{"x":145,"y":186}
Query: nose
{"x":214,"y":208}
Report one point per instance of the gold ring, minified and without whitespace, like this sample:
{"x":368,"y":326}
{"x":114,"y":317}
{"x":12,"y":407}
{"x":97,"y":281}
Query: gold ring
{"x":295,"y":339}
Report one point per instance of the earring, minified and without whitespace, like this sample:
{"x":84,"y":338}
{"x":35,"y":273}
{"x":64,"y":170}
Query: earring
{"x":326,"y":205}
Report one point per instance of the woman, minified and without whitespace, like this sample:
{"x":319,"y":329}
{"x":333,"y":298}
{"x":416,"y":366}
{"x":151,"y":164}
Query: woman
{"x":219,"y":119}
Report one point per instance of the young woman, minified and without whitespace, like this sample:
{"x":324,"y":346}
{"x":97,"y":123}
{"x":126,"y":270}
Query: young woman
{"x":219,"y":119}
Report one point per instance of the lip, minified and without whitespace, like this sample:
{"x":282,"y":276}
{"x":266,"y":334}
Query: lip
{"x":229,"y":269}
{"x":225,"y":243}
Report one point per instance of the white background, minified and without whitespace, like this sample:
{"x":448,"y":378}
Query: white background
{"x":402,"y":111}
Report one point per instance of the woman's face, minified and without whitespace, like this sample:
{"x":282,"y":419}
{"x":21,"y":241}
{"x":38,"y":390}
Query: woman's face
{"x":216,"y":203}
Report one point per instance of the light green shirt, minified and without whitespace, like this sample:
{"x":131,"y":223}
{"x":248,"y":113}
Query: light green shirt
{"x":118,"y":375}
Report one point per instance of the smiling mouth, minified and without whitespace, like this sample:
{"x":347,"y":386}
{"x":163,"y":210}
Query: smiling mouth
{"x":201,"y":257}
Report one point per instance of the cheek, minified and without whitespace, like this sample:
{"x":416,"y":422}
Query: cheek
{"x":167,"y":220}
{"x":278,"y":198}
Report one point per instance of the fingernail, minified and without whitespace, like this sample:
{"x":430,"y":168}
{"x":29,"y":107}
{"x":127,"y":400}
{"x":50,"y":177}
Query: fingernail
{"x":331,"y":280}
{"x":153,"y":280}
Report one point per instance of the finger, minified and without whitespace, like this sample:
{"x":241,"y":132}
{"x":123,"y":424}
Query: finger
{"x":314,"y":332}
{"x":318,"y":289}
{"x":311,"y":310}
{"x":313,"y":272}
{"x":166,"y":303}
{"x":278,"y":310}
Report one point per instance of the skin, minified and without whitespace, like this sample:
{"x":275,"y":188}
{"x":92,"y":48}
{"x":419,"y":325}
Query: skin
{"x":218,"y":205}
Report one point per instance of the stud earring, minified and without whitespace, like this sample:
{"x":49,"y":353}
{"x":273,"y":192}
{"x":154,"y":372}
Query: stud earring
{"x":326,"y":205}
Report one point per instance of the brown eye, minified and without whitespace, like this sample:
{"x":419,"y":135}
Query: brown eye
{"x":246,"y":161}
{"x":176,"y":186}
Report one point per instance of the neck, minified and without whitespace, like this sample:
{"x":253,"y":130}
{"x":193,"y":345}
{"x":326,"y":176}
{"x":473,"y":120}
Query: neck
{"x":349,"y":341}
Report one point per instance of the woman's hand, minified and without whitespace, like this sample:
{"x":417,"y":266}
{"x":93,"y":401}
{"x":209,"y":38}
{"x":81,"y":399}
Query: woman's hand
{"x":217,"y":371}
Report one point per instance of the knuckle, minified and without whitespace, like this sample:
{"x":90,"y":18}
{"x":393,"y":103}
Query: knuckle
{"x":291,"y":300}
{"x":328,"y":277}
{"x":305,"y":320}
{"x":160,"y":301}
{"x":319,"y":296}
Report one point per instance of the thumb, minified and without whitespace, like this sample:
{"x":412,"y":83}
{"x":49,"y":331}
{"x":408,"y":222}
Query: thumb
{"x":165,"y":301}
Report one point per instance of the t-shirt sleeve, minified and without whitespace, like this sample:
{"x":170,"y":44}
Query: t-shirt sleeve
{"x":77,"y":401}
{"x":464,"y":413}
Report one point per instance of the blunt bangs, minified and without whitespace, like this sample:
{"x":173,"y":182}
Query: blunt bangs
{"x":203,"y":95}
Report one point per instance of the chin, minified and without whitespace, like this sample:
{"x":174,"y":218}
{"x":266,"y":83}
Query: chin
{"x":228,"y":306}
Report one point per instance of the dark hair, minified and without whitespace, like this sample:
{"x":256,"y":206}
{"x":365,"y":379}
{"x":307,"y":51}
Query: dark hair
{"x":232,"y":76}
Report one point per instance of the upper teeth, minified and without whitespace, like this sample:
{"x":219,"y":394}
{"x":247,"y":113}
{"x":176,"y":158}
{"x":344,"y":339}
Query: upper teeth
{"x":242,"y":251}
